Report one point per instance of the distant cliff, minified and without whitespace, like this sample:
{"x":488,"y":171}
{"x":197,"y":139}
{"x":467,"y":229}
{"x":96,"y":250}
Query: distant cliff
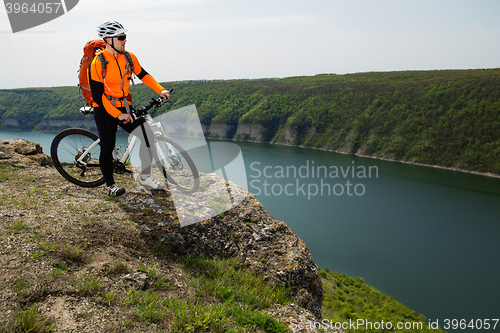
{"x":447,"y":118}
{"x":57,"y":125}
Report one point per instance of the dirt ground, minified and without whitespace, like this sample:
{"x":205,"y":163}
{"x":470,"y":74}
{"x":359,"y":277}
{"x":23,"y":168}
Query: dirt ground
{"x":52,"y":237}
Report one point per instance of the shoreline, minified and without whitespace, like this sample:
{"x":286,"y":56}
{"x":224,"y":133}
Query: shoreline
{"x":477,"y":173}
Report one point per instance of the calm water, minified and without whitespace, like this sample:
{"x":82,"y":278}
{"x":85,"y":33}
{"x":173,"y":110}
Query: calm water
{"x":427,"y":237}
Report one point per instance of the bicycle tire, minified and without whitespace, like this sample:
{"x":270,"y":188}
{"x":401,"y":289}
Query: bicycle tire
{"x":178,"y":170}
{"x":65,"y":150}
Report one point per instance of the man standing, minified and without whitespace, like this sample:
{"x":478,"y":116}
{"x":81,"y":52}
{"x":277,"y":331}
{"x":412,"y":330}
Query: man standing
{"x":109,"y":85}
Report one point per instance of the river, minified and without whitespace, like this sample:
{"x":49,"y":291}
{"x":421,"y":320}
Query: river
{"x":426,"y":236}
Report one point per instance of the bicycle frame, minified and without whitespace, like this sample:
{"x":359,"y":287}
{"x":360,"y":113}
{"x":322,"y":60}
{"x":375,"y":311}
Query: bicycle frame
{"x":160,"y":131}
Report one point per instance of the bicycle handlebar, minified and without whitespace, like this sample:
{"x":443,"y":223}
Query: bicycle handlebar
{"x":142,"y":111}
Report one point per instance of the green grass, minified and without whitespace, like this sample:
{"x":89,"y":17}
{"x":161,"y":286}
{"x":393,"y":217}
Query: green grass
{"x":148,"y":305}
{"x":61,"y":265}
{"x":107,"y":297}
{"x":225,"y":280}
{"x":112,"y":198}
{"x":348,"y":298}
{"x":30,"y":320}
{"x":193,"y":317}
{"x":20,"y":286}
{"x":56,"y":272}
{"x":17,"y":227}
{"x":47,"y":246}
{"x":156,"y":280}
{"x":71,"y":207}
{"x":227,"y":299}
{"x":118,"y":267}
{"x":88,"y":284}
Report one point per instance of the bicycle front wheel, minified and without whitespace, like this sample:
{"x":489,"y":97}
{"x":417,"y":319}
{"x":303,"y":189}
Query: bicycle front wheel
{"x":179,"y":168}
{"x":67,"y":150}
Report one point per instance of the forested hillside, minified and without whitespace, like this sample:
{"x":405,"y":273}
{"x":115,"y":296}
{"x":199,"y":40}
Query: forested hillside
{"x":446,"y":118}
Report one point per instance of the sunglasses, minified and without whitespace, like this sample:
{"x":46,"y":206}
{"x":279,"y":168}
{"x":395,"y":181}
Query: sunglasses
{"x":122,"y":37}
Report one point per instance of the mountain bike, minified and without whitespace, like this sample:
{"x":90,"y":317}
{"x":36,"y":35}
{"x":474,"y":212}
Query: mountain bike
{"x":75,"y":154}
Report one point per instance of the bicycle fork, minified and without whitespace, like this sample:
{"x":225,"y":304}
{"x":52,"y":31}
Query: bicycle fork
{"x":84,"y":156}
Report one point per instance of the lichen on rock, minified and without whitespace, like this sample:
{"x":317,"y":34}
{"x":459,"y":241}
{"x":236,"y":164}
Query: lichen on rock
{"x":247,"y":231}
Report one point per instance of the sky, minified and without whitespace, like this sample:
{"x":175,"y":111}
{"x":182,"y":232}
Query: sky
{"x":232,"y":39}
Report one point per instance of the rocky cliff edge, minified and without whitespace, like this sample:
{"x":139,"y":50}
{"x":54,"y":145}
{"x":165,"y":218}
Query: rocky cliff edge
{"x":55,"y":235}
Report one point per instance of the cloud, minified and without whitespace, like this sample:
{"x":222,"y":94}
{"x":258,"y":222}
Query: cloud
{"x":192,"y":39}
{"x":259,"y":21}
{"x":116,"y":6}
{"x":159,"y":23}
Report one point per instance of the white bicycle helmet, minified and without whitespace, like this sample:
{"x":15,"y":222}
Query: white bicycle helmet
{"x":110,"y":29}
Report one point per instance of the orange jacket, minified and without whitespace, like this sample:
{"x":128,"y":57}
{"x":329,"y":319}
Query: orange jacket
{"x":116,"y":82}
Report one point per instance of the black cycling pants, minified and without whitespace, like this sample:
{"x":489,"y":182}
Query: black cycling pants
{"x":107,"y":127}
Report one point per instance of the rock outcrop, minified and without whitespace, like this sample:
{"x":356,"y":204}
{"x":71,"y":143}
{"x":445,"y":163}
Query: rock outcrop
{"x":242,"y":131}
{"x":56,"y":125}
{"x":252,"y":132}
{"x":263,"y":244}
{"x":21,"y":153}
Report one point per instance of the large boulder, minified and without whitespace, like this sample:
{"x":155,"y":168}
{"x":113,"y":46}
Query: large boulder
{"x":21,"y":153}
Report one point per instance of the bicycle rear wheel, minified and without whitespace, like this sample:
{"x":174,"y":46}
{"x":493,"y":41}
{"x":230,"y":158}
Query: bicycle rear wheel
{"x":179,"y":168}
{"x":67,"y":147}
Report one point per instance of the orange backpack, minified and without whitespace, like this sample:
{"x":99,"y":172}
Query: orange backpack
{"x":89,"y":51}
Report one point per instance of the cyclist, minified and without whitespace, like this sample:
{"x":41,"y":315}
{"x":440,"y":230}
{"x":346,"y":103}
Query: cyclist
{"x":110,"y":92}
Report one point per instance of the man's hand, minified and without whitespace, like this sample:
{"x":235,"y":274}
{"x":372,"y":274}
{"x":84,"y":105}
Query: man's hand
{"x":165,"y":94}
{"x":125,"y":118}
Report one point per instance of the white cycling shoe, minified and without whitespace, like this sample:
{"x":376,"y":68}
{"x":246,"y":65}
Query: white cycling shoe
{"x":115,"y":191}
{"x":151,"y":184}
